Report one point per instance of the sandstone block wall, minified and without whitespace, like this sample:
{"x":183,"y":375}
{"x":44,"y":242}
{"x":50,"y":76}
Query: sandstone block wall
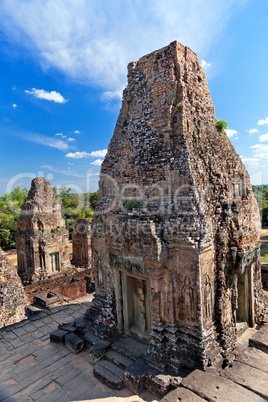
{"x":13,"y":299}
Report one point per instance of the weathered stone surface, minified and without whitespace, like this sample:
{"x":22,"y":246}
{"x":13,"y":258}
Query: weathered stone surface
{"x":130,"y":347}
{"x":135,"y":375}
{"x":109,"y":374}
{"x":212,"y":387}
{"x":118,"y":358}
{"x":249,"y":377}
{"x":98,"y":349}
{"x":255,"y":358}
{"x":13,"y":299}
{"x":81,"y":237}
{"x":67,"y":327}
{"x":260,"y":340}
{"x":90,"y":339}
{"x":41,"y":239}
{"x":74,"y":343}
{"x":71,"y":283}
{"x":46,"y":299}
{"x":183,"y":395}
{"x":175,"y":232}
{"x":58,"y":336}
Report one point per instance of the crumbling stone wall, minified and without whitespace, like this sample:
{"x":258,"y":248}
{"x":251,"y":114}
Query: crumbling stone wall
{"x":72,"y":284}
{"x":81,"y":238}
{"x":176,"y":220}
{"x":41,"y":239}
{"x":13,"y":299}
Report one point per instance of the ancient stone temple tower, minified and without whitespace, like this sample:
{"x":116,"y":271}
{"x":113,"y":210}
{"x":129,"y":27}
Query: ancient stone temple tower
{"x":176,"y":228}
{"x":42,"y":240}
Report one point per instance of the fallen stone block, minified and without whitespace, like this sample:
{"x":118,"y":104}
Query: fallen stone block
{"x":74,"y":343}
{"x":58,"y":336}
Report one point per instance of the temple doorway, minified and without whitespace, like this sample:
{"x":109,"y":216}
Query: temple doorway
{"x":54,"y":260}
{"x":135,"y":306}
{"x":245,"y":300}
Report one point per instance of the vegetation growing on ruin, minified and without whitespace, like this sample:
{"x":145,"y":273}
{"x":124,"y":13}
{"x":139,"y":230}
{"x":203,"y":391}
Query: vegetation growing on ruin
{"x":222,"y":124}
{"x":261,"y":194}
{"x":75,"y":206}
{"x":10,"y":205}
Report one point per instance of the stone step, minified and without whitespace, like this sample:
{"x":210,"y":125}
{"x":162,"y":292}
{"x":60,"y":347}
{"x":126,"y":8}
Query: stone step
{"x":260,"y":339}
{"x":118,"y":359}
{"x":130,"y":347}
{"x":110,"y":374}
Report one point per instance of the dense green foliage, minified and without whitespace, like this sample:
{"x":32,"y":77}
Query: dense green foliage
{"x":222,"y":124}
{"x":74,"y":206}
{"x":10,"y":205}
{"x":261,"y":194}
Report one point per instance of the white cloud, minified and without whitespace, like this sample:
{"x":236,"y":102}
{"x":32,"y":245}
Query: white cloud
{"x":50,"y":96}
{"x":61,"y":135}
{"x":204,"y":64}
{"x":14,"y":105}
{"x":262,"y":122}
{"x":100,"y":153}
{"x":77,"y":132}
{"x":47,"y":141}
{"x":263,"y":137}
{"x":260,"y":151}
{"x":92,"y":42}
{"x":250,"y":161}
{"x":252,"y":130}
{"x":70,"y":139}
{"x":97,"y":162}
{"x":69,"y":163}
{"x":230,"y":132}
{"x":110,"y":95}
{"x":77,"y":155}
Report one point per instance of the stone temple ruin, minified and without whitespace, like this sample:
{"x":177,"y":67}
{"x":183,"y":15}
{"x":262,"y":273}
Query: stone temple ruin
{"x":42,"y":239}
{"x":13,"y":299}
{"x":81,"y":237}
{"x":176,"y":229}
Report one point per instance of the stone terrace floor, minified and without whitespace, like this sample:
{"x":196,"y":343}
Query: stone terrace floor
{"x":34,"y":369}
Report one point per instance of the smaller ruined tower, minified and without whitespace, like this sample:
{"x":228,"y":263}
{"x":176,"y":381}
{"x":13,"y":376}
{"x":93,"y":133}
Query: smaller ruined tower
{"x":42,"y":239}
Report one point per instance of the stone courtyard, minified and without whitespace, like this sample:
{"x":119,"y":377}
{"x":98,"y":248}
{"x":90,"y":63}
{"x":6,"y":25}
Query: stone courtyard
{"x":34,"y":369}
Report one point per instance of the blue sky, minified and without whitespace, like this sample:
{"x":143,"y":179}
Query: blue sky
{"x":63,"y":66}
